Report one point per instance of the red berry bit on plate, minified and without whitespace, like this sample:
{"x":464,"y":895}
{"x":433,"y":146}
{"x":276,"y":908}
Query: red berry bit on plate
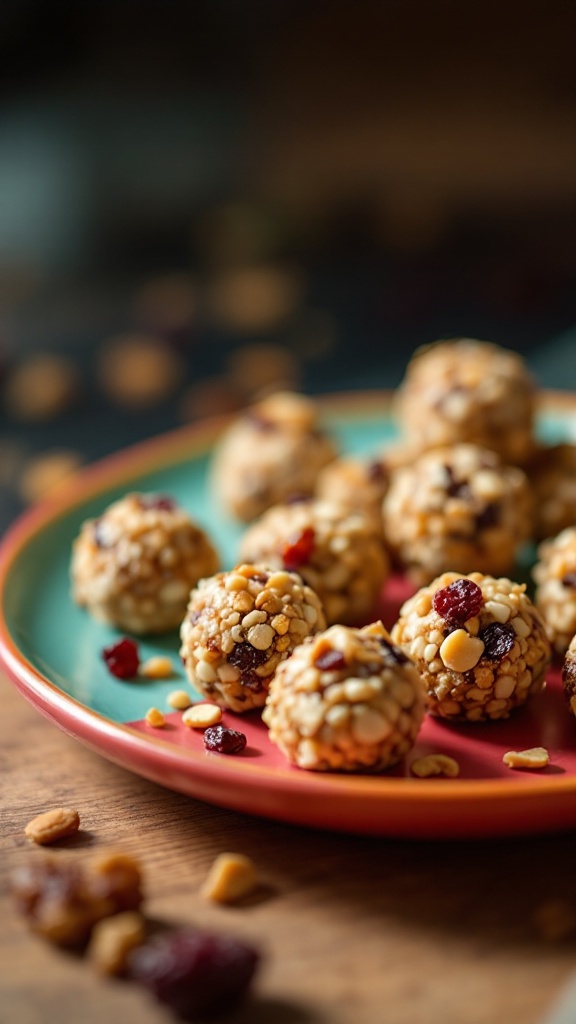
{"x":198,"y":974}
{"x":223,"y":740}
{"x":122,"y":659}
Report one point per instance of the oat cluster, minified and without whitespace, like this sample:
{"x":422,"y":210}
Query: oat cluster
{"x":239,"y":626}
{"x":481,"y":667}
{"x":340,"y":554}
{"x":271,"y":452}
{"x":134,"y":566}
{"x":355,"y":483}
{"x":470,"y":391}
{"x":555,"y":576}
{"x":346,"y":700}
{"x":457,"y":508}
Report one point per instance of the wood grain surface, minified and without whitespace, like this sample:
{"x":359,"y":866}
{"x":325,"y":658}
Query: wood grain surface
{"x":353,"y":930}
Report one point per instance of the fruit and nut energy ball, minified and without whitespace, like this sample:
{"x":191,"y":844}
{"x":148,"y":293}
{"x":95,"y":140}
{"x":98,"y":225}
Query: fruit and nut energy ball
{"x":569,"y":675}
{"x":274,"y":450}
{"x":347,"y":700}
{"x":555,"y":597}
{"x":465,"y":390}
{"x":355,"y":483}
{"x":457,"y":507}
{"x":552,"y":475}
{"x":340,"y":553}
{"x":240,"y":625}
{"x":134,"y":566}
{"x":479,"y":643}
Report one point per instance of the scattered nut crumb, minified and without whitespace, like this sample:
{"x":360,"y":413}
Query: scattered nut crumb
{"x":53,"y":825}
{"x":200,"y":716}
{"x":157,"y":667}
{"x":435,"y":764}
{"x":179,"y":699}
{"x":535,"y":757}
{"x":155,"y":718}
{"x":113,"y":938}
{"x":231,"y":877}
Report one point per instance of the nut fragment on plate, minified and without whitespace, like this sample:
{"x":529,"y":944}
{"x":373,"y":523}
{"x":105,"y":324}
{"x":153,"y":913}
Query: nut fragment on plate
{"x":155,"y":718}
{"x":157,"y":667}
{"x":179,"y":700}
{"x":200,"y":716}
{"x":534,"y":757}
{"x":435,"y":764}
{"x":113,"y":938}
{"x":231,"y":877}
{"x":50,"y":826}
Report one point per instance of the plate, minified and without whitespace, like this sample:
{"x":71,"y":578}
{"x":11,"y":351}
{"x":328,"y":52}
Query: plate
{"x":51,"y":651}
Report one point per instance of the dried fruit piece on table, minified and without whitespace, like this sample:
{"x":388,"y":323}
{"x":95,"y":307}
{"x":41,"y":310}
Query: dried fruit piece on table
{"x":50,"y":826}
{"x":63,"y":901}
{"x":196,"y":973}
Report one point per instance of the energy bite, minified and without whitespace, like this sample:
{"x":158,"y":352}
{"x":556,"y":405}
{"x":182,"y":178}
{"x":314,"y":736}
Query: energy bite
{"x":552,"y":475}
{"x":340,"y":553}
{"x":555,"y":597}
{"x":355,"y":483}
{"x":465,"y":390}
{"x":479,"y":643}
{"x":134,"y":566}
{"x":569,"y":675}
{"x":347,"y":700}
{"x":271,"y":452}
{"x":239,"y":626}
{"x":457,"y":507}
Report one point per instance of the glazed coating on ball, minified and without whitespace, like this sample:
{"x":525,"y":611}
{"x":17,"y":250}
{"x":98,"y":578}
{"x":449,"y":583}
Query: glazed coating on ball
{"x":465,"y":390}
{"x":552,"y":475}
{"x":347,"y":700}
{"x":134,"y":566}
{"x":479,"y":643}
{"x":555,"y":597}
{"x":457,"y":507}
{"x":271,"y":452}
{"x":340,"y":554}
{"x":569,"y":676}
{"x":239,"y":626}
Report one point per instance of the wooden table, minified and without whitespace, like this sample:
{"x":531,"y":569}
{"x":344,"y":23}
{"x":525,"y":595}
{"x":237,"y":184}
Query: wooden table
{"x":354,"y":930}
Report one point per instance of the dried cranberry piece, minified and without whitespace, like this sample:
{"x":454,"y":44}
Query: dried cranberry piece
{"x":246,"y":657}
{"x":122,"y":658}
{"x":455,"y":488}
{"x":196,"y":973}
{"x":223,"y":740}
{"x":498,"y":639}
{"x":458,"y":602}
{"x":330,"y":661}
{"x":298,"y":549}
{"x":159,"y":501}
{"x":376,"y":472}
{"x":569,"y":580}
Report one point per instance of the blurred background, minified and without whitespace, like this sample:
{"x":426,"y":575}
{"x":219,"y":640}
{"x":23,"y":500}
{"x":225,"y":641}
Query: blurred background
{"x":199,"y":201}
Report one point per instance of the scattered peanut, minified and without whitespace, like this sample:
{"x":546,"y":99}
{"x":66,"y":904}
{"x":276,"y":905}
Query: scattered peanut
{"x":53,"y":825}
{"x":460,"y":651}
{"x":435,"y":764}
{"x":231,"y":877}
{"x":179,"y":699}
{"x":200,"y":716}
{"x":534,"y":757}
{"x":157,"y":667}
{"x":112,"y":940}
{"x":155,"y":718}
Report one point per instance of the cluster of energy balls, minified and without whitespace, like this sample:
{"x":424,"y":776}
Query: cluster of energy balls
{"x":294,"y":629}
